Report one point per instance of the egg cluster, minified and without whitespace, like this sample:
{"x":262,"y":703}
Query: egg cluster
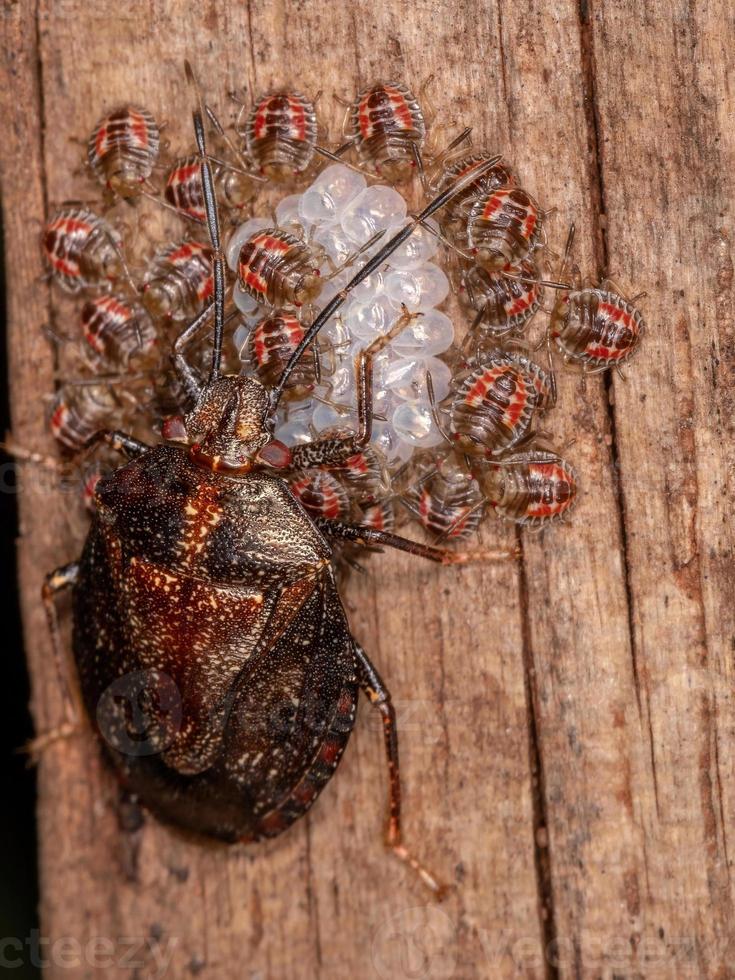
{"x":340,"y":215}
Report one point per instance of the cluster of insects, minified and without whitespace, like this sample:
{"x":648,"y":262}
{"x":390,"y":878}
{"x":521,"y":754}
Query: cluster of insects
{"x":305,"y":392}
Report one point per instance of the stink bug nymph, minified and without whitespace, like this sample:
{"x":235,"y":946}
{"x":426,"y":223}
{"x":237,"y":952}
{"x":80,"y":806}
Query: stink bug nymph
{"x":204,"y":580}
{"x":594,"y":327}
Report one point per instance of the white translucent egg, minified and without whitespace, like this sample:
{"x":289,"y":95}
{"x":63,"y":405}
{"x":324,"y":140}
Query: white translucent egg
{"x":385,"y":438}
{"x":317,"y":206}
{"x":419,"y":288}
{"x":375,"y":209}
{"x":431,"y":333}
{"x":406,"y":377}
{"x":414,"y":424}
{"x":240,"y":235}
{"x":326,"y":199}
{"x":330,"y":416}
{"x":340,"y":385}
{"x":332,"y":286}
{"x":418,"y":248}
{"x":294,"y":431}
{"x":240,"y":339}
{"x":335,"y":335}
{"x":244,"y":301}
{"x":367,"y":321}
{"x":287,"y":215}
{"x":335,"y":243}
{"x":384,"y":403}
{"x":369,"y":288}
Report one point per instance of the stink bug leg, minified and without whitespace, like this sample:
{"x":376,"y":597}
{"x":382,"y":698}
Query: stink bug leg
{"x":57,"y":581}
{"x":379,"y":696}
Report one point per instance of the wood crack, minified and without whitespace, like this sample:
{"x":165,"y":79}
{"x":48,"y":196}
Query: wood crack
{"x":601,"y":252}
{"x":539,"y":808}
{"x":541,"y":841}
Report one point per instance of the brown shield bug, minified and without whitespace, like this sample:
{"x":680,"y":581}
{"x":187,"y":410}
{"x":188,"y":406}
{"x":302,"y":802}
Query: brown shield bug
{"x":205,"y":599}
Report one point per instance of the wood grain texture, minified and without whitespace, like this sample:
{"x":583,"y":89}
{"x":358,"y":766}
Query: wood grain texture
{"x":567,"y":724}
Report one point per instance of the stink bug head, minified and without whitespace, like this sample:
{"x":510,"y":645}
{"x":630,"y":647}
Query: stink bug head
{"x":229,"y":424}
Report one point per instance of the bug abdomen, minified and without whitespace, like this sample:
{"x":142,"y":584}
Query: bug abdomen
{"x":534,"y":492}
{"x":119,"y":331}
{"x":270,"y":345}
{"x":601,"y":328}
{"x":277,"y":269}
{"x":457,"y":212}
{"x":123,"y":149}
{"x":507,"y":304}
{"x":82,"y":250}
{"x":179,"y":280}
{"x":493,"y":407}
{"x":388,"y":125}
{"x":504,"y":227}
{"x":280,"y":134}
{"x":450,"y":515}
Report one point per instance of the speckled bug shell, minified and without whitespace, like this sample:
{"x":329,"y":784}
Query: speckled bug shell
{"x":493,"y":406}
{"x":183,"y":189}
{"x":364,"y":474}
{"x":270,"y":344}
{"x":82,"y":250}
{"x":123,"y":149}
{"x":120,"y":332}
{"x":596,"y":328}
{"x":387,"y":124}
{"x":179,"y":280}
{"x":504,"y":305}
{"x":457,"y":212}
{"x":278,"y":269}
{"x":214,"y":598}
{"x":536,"y":489}
{"x":504,"y":227}
{"x":280,"y":135}
{"x":321,"y":494}
{"x":78,"y":411}
{"x":448,"y":503}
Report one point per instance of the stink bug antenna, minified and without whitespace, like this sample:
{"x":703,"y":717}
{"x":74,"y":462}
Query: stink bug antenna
{"x":210,"y":207}
{"x":370,"y":266}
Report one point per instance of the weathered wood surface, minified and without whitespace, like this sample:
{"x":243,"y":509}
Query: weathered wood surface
{"x":568,"y":724}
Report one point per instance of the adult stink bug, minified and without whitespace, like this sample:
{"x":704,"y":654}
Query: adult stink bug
{"x":206,"y":587}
